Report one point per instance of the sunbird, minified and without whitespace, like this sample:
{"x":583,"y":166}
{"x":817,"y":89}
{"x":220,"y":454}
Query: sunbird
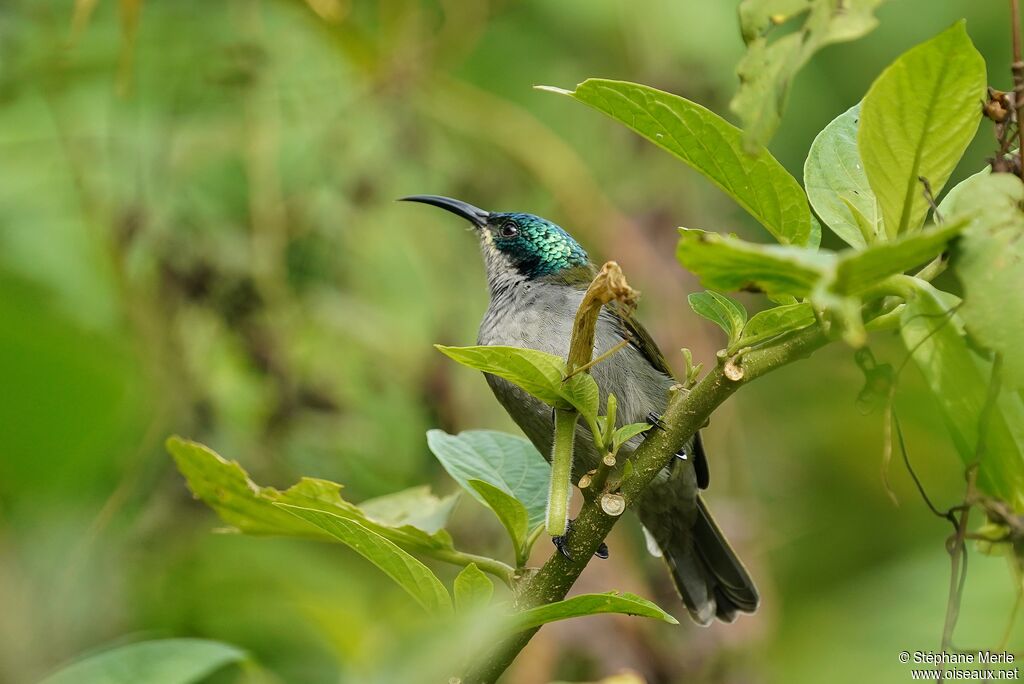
{"x":537,"y":275}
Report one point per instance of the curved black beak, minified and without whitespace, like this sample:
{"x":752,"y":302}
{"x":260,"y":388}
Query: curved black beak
{"x":475,"y":215}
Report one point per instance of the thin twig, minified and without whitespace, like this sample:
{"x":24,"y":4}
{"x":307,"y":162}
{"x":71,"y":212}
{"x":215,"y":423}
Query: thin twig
{"x":946,"y":515}
{"x":603,"y":357}
{"x":929,"y":197}
{"x":957,"y":548}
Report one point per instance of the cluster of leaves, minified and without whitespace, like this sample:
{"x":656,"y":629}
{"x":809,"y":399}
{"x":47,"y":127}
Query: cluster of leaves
{"x":503,"y":472}
{"x":546,"y":377}
{"x":771,"y":62}
{"x":871,"y":177}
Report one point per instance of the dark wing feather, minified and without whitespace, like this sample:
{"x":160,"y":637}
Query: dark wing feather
{"x":641,"y":340}
{"x":638,"y":337}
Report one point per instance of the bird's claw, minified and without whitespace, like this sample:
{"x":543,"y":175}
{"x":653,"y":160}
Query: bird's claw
{"x":561,"y":543}
{"x":655,"y":420}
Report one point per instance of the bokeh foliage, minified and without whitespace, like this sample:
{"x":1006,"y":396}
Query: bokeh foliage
{"x":198,"y":237}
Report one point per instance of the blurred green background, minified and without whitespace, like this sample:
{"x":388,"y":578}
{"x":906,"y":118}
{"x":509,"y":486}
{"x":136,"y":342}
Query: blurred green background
{"x":198,"y":236}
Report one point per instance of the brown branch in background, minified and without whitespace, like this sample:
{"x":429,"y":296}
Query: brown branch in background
{"x":958,"y":562}
{"x":957,"y":548}
{"x":1017,"y":68}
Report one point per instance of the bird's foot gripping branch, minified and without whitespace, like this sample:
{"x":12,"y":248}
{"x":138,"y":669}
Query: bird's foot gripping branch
{"x":872,"y":176}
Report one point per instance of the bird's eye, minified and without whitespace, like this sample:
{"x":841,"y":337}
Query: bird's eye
{"x":508,"y":230}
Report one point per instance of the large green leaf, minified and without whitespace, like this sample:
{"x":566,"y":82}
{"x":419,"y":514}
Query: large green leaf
{"x":728,"y":263}
{"x":932,"y":332}
{"x":916,"y":121}
{"x":773,"y":322}
{"x":837,"y":185}
{"x":725,"y":312}
{"x":856,"y":271}
{"x":538,"y":373}
{"x":166,"y":661}
{"x":712,"y":146}
{"x":588,"y":604}
{"x":990,"y":264}
{"x":240,"y":502}
{"x":510,"y":511}
{"x":416,"y":506}
{"x":770,"y":64}
{"x":473,"y":590}
{"x":409,"y":573}
{"x":508,"y":462}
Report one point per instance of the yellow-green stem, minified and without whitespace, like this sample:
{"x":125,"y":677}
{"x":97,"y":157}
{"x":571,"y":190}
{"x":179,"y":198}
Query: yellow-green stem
{"x":561,"y":472}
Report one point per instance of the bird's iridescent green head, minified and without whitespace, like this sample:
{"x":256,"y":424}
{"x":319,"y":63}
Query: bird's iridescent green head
{"x":522,"y":244}
{"x":533,"y":246}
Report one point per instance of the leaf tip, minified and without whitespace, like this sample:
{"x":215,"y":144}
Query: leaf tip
{"x":554,"y":89}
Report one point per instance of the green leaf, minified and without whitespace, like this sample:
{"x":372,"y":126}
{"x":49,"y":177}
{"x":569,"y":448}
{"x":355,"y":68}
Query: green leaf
{"x":538,"y":373}
{"x":409,"y":573}
{"x":916,"y":121}
{"x":776,"y":321}
{"x":770,"y":64}
{"x":949,"y":205}
{"x":712,"y":146}
{"x":508,"y":462}
{"x":989,"y":262}
{"x":473,"y":590}
{"x":628,"y":432}
{"x":510,"y":511}
{"x":416,"y":506}
{"x":240,"y":502}
{"x":166,"y":661}
{"x":932,"y":332}
{"x":857,"y":271}
{"x":837,"y":185}
{"x":835,"y":283}
{"x":588,"y":604}
{"x":582,"y":393}
{"x":728,"y":263}
{"x":725,"y":312}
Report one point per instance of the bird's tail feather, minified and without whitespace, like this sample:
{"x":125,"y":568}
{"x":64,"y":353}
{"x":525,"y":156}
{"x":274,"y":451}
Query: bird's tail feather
{"x":709,"y":577}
